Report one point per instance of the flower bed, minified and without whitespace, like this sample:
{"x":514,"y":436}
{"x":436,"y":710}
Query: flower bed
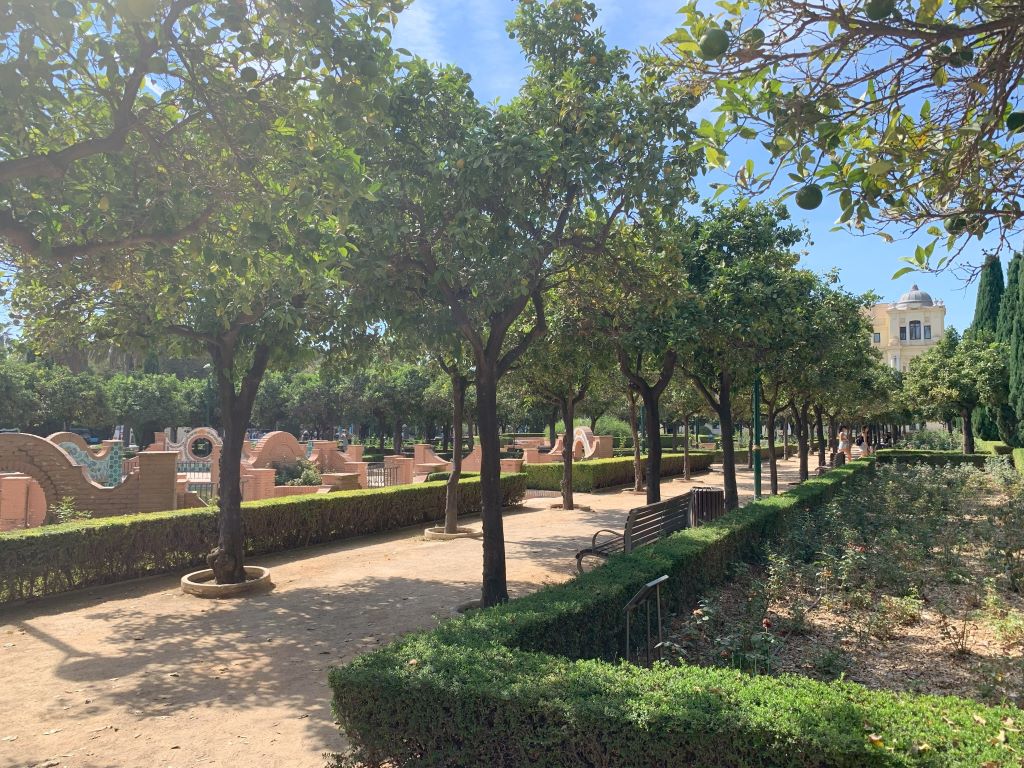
{"x":532,"y":672}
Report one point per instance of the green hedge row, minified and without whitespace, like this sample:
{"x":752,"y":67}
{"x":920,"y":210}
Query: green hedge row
{"x":58,"y":558}
{"x":997,"y":447}
{"x":527,"y":672}
{"x":606,"y":473}
{"x":932,"y":458}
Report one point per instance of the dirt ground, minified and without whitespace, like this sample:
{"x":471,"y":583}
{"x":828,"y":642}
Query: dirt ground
{"x":138,"y":675}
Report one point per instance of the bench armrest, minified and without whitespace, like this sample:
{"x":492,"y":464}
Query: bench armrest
{"x":593,"y":541}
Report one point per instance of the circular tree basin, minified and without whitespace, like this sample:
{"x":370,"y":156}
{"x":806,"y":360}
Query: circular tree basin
{"x":202,"y":584}
{"x":438,"y":534}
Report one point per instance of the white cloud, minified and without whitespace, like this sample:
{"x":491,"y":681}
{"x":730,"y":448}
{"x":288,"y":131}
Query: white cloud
{"x":418,"y":31}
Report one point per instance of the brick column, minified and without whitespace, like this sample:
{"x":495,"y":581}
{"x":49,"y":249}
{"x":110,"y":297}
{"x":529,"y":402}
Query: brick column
{"x":157,"y":484}
{"x":404,"y":466}
{"x":14,"y":501}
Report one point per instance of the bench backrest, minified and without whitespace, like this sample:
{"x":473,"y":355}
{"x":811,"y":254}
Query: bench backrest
{"x":707,"y":504}
{"x":645,"y":525}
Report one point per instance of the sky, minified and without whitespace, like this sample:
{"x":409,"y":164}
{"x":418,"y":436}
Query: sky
{"x":472,"y":35}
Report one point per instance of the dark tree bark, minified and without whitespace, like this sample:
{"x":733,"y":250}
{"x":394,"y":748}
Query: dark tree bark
{"x":396,"y":437}
{"x":470,"y":438}
{"x":686,"y":448}
{"x":451,"y":502}
{"x":722,"y":405}
{"x":773,"y":461}
{"x":552,"y":431}
{"x":732,"y":494}
{"x":446,"y":438}
{"x":819,"y":421}
{"x":568,"y":414}
{"x":800,"y":416}
{"x":966,"y":417}
{"x":750,"y":448}
{"x":495,"y":584}
{"x":228,"y":559}
{"x":651,"y":395}
{"x":634,"y":431}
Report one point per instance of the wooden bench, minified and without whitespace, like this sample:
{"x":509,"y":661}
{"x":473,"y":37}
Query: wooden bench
{"x":648,"y":524}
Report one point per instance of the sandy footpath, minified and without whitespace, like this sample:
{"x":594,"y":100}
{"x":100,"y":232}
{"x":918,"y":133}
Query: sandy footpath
{"x":138,"y":675}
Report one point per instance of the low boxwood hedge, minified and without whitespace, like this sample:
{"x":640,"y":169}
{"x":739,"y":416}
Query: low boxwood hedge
{"x":58,"y":558}
{"x":932,"y":458}
{"x":606,"y":473}
{"x":523,"y":684}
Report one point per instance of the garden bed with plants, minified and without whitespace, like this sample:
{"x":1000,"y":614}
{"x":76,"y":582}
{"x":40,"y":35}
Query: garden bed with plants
{"x":543,"y":671}
{"x":911,"y":580}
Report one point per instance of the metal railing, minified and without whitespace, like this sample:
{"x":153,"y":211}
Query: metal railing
{"x":200,"y":478}
{"x":380,"y":475}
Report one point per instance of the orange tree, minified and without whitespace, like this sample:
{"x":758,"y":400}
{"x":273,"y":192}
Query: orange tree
{"x":479,"y":206}
{"x":260,"y":274}
{"x":909,"y":112}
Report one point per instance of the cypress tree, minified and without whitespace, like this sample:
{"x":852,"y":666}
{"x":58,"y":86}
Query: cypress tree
{"x":1010,"y":331}
{"x":990,"y":295}
{"x":986,"y":316}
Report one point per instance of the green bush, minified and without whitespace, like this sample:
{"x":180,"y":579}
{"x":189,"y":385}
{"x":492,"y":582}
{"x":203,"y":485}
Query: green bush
{"x":933,"y":458}
{"x":528,"y":670}
{"x":606,"y":473}
{"x":997,"y":447}
{"x":58,"y":558}
{"x":434,"y":477}
{"x":931,"y":440}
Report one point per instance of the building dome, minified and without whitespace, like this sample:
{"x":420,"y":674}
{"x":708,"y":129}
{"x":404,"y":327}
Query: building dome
{"x":914,"y":299}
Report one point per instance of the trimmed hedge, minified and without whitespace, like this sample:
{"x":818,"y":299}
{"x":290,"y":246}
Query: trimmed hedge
{"x":59,"y":558}
{"x":440,"y":698}
{"x":740,"y":454}
{"x":932,"y":458}
{"x":997,"y":447}
{"x":606,"y":473}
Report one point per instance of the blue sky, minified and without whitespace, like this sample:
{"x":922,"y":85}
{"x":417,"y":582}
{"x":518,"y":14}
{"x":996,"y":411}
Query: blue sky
{"x":471,"y":34}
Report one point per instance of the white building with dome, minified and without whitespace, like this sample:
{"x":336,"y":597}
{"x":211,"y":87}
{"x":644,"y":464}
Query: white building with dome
{"x":904,"y":329}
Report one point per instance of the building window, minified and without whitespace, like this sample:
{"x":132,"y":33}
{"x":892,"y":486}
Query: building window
{"x":915,"y":330}
{"x":877,"y":338}
{"x":927,"y":331}
{"x":903,"y":333}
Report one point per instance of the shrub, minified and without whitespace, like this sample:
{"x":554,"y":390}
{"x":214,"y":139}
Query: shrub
{"x":522,"y":670}
{"x":605,"y":473}
{"x":933,"y":458}
{"x":997,"y":447}
{"x":931,"y":440}
{"x":434,"y":477}
{"x":58,"y":558}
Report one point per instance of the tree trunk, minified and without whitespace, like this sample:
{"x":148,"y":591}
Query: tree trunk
{"x":638,"y":469}
{"x":447,"y":438}
{"x":773,"y":462}
{"x":495,"y":583}
{"x":686,"y":448}
{"x":382,"y":428}
{"x":593,"y":424}
{"x":653,"y":430}
{"x":397,"y":437}
{"x":228,"y":559}
{"x":568,"y":406}
{"x":552,"y":431}
{"x":451,"y":496}
{"x":966,"y":417}
{"x":470,"y":440}
{"x":732,"y":495}
{"x":819,"y":421}
{"x":785,"y":439}
{"x":800,"y":415}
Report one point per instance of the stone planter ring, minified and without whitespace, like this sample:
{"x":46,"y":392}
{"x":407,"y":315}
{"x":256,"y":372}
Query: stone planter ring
{"x":202,"y":584}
